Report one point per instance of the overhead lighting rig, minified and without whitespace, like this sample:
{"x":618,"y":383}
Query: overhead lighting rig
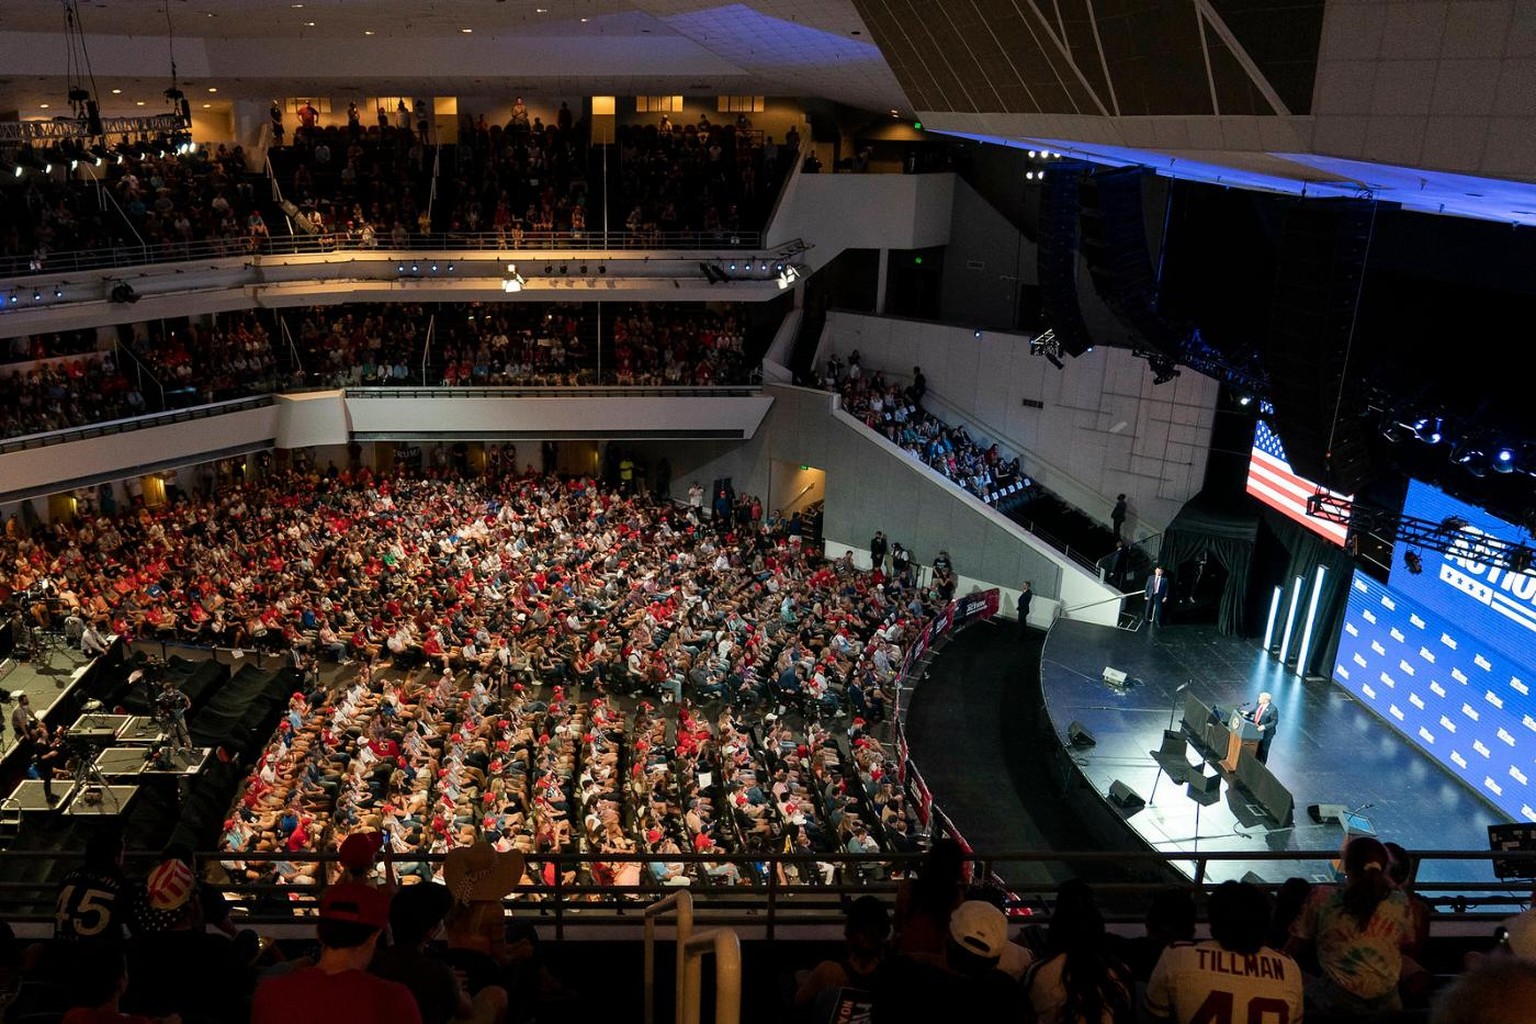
{"x":1450,"y":536}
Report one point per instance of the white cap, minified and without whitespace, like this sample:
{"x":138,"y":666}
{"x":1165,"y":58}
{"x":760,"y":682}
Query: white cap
{"x":979,"y":928}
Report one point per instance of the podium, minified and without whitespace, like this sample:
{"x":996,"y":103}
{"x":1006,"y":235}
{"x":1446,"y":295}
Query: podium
{"x":1242,"y":735}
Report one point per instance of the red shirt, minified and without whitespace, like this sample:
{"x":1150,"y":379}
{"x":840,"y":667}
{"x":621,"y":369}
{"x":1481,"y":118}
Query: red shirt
{"x":311,"y":996}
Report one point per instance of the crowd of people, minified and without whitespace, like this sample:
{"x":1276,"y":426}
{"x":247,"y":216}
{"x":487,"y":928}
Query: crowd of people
{"x":149,"y":197}
{"x":57,"y":394}
{"x":511,"y":613}
{"x":707,"y":178}
{"x":895,"y":411}
{"x":180,"y":363}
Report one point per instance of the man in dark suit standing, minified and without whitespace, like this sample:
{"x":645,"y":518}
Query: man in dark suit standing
{"x":1266,"y":718}
{"x":1158,"y":587}
{"x":1026,"y":595}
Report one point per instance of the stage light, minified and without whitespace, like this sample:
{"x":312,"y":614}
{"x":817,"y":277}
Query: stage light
{"x":1032,"y":154}
{"x":415,"y":269}
{"x":1520,"y":559}
{"x":58,"y":292}
{"x":1274,"y":613}
{"x":434,"y":268}
{"x":37,"y":296}
{"x":1245,"y":400}
{"x":400,"y":268}
{"x":1306,"y":631}
{"x":976,"y":333}
{"x":1504,"y":460}
{"x":1413,"y":561}
{"x":1290,"y":618}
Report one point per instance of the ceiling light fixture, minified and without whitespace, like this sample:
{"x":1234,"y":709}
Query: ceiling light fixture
{"x":117,"y":92}
{"x":466,"y":31}
{"x":367,"y":31}
{"x":213,"y":88}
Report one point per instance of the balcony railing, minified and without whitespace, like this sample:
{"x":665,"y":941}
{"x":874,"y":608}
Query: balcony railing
{"x":109,"y":427}
{"x":108,"y":257}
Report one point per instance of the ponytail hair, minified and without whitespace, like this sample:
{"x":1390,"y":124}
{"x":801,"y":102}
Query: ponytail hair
{"x":1366,"y":883}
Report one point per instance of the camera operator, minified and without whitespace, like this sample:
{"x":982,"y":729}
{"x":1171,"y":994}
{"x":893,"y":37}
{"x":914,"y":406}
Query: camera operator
{"x":171,"y":708}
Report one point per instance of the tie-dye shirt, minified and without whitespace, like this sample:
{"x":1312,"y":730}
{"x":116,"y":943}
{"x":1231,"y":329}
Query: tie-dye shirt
{"x":1364,"y":961}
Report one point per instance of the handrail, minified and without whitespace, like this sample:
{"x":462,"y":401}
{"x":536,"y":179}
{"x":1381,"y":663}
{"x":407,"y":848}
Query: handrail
{"x":533,"y":242}
{"x":689,"y":969}
{"x":85,"y":433}
{"x":557,"y":391}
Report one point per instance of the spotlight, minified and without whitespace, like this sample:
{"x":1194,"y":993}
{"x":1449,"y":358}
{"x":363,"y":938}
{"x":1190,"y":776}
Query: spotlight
{"x":58,"y":292}
{"x":602,"y":268}
{"x":434,"y":268}
{"x":1428,"y":429}
{"x":549,"y":268}
{"x":37,"y":296}
{"x":450,"y":268}
{"x":565,"y":269}
{"x":976,"y":333}
{"x":122,"y":291}
{"x":400,"y":268}
{"x":1504,"y":460}
{"x":583,"y":270}
{"x":1413,"y":561}
{"x":1245,"y":400}
{"x":415,"y":269}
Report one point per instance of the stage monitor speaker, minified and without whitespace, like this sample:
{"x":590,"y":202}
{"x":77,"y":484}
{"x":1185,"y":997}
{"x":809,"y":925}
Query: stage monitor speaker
{"x":1174,"y":744}
{"x":1078,"y":735}
{"x":1202,"y":782}
{"x":1114,"y":676}
{"x":1327,"y":814}
{"x":1124,"y":797}
{"x":1266,"y":790}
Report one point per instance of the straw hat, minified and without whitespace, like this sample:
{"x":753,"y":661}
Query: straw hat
{"x":477,"y":872}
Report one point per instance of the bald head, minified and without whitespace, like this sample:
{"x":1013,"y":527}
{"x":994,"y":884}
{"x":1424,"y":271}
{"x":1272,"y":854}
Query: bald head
{"x":1500,"y":991}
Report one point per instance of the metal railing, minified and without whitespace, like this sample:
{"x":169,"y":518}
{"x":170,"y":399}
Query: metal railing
{"x":513,"y":246}
{"x":108,"y":427}
{"x":724,"y":943}
{"x":1123,"y":880}
{"x":556,"y":391}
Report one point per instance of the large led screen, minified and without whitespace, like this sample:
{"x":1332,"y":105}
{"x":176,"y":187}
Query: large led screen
{"x":1271,"y":480}
{"x":1459,"y":700}
{"x":1492,"y":604}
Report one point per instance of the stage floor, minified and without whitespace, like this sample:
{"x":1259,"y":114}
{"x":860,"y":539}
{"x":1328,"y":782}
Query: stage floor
{"x":1327,"y":749}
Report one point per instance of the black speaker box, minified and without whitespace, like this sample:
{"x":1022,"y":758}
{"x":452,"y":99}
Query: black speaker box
{"x":1124,"y":797}
{"x":1326,"y":814}
{"x":1078,"y":735}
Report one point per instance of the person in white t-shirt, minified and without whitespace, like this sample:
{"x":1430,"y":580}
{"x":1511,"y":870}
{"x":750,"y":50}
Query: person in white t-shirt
{"x":1233,"y":975}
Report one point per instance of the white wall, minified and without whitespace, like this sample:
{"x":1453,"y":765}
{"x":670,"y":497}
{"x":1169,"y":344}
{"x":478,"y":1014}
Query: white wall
{"x":1104,"y":429}
{"x":313,"y":418}
{"x":615,"y":418}
{"x":135,"y":452}
{"x":833,"y":212}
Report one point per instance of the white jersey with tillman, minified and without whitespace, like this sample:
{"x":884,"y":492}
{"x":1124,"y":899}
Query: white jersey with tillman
{"x":1202,"y":983}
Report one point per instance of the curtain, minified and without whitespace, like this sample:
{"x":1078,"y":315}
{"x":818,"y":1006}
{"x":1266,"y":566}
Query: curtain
{"x":1226,"y":537}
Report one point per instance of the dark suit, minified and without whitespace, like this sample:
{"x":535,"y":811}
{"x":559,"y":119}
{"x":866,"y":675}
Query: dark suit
{"x":1268,"y":718}
{"x":1158,"y":590}
{"x":1025,"y":597}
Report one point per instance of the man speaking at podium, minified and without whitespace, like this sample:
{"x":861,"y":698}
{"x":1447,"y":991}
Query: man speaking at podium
{"x":1266,"y":718}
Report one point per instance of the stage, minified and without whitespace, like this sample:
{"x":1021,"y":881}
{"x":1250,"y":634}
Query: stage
{"x":1327,"y":749}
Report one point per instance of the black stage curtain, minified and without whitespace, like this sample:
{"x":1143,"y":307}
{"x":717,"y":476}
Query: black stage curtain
{"x":1228,"y":538}
{"x":1307,"y":551}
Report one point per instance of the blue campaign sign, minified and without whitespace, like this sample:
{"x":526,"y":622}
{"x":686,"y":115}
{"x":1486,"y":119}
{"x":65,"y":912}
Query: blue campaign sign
{"x":1492,"y":604}
{"x":1456,"y":698}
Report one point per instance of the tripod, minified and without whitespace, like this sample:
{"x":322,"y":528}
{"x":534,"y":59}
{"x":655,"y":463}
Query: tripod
{"x":87,"y":775}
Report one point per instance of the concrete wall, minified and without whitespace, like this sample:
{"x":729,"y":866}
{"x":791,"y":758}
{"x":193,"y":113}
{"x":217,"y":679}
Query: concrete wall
{"x":873,"y":485}
{"x":833,"y":212}
{"x":135,"y":452}
{"x":1104,"y":429}
{"x":615,"y":418}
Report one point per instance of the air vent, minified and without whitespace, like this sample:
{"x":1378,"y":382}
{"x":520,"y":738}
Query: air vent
{"x":1030,"y":403}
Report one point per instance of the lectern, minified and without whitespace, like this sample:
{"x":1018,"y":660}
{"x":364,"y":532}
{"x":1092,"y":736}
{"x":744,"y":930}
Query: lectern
{"x":1243,"y":735}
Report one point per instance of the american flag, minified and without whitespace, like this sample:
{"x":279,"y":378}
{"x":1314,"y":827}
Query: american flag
{"x":1271,"y":480}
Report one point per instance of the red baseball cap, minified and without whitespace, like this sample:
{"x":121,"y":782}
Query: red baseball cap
{"x":359,"y":849}
{"x":357,"y":904}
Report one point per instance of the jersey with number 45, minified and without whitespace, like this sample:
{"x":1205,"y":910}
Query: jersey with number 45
{"x":1202,"y":983}
{"x":91,"y":905}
